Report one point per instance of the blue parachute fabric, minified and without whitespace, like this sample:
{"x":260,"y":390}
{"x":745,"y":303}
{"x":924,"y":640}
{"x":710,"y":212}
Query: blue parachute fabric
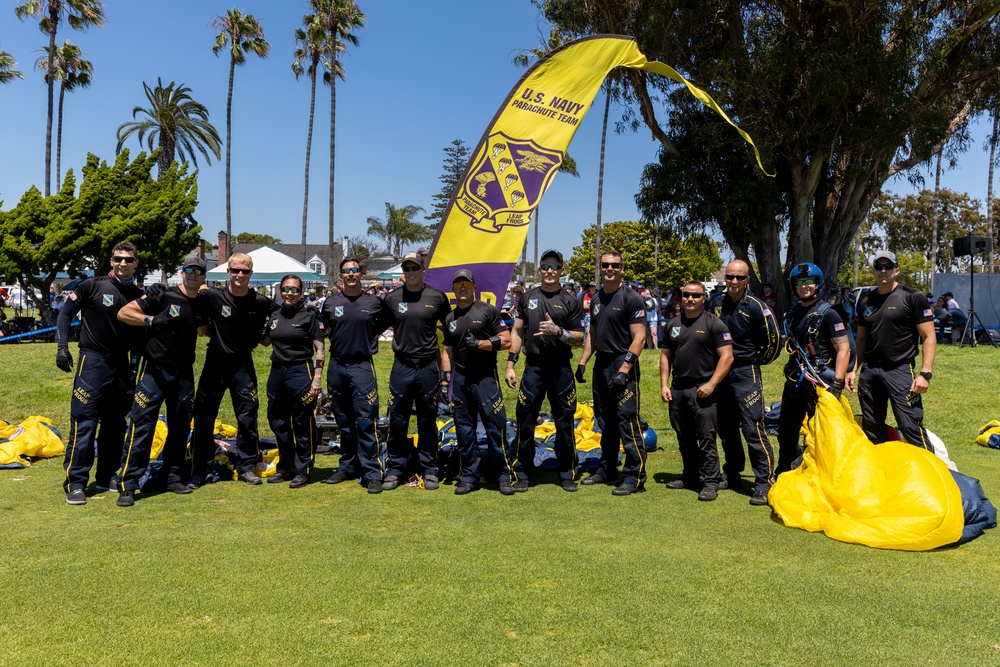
{"x":980,"y":513}
{"x":994,"y":441}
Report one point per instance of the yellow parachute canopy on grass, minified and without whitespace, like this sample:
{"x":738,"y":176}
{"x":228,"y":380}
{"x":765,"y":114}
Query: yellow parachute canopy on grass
{"x":29,"y":439}
{"x":889,"y":496}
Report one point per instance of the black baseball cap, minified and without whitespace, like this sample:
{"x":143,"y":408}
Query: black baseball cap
{"x":463,"y":274}
{"x":552,"y":252}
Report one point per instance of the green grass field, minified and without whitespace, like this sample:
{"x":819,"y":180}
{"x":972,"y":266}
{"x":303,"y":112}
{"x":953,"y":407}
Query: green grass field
{"x":239,"y":575}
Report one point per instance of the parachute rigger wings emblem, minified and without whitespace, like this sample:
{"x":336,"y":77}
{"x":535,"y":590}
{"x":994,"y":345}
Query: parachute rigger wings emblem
{"x":506,"y":182}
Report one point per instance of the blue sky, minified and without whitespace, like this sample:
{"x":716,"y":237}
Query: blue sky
{"x":424,"y":75}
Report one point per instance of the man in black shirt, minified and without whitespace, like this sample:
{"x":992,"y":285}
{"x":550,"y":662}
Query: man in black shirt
{"x":353,"y":319}
{"x":102,"y":388}
{"x":166,"y":374}
{"x":698,"y":349}
{"x":822,"y":336}
{"x":754,"y":330}
{"x":236,"y":315}
{"x":473,"y":334}
{"x":617,"y":335}
{"x":415,"y":310}
{"x":891,"y":320}
{"x":548,"y":325}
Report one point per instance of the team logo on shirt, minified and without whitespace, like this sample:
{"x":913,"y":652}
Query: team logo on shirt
{"x":453,"y":326}
{"x":532,"y":304}
{"x":402,"y":307}
{"x":675,"y":332}
{"x":175,"y":311}
{"x":338,"y":311}
{"x":596,"y":308}
{"x":227,"y":311}
{"x":274,"y":324}
{"x":869,"y":310}
{"x":109,"y":300}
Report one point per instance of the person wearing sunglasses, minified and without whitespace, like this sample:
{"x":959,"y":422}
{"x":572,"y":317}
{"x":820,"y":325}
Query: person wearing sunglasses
{"x":415,"y":381}
{"x":473,"y":334}
{"x":548,"y":326}
{"x":822,"y":335}
{"x":756,"y":341}
{"x":353,"y":320}
{"x":171,"y":317}
{"x":617,"y":336}
{"x":236,"y":316}
{"x":892,"y":319}
{"x":697,"y":352}
{"x":103,"y":384}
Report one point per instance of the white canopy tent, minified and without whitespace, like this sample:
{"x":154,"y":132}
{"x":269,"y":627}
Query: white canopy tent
{"x":269,"y":266}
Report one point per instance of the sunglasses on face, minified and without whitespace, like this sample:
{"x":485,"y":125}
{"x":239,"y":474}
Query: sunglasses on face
{"x":410,"y":269}
{"x":348,"y":271}
{"x":194,"y":270}
{"x":462,"y":284}
{"x":733,"y":276}
{"x":611,"y":265}
{"x":550,"y":267}
{"x":801,"y":282}
{"x":290,"y":289}
{"x":241,"y":272}
{"x":884,"y":266}
{"x":692,"y":295}
{"x":122,"y":259}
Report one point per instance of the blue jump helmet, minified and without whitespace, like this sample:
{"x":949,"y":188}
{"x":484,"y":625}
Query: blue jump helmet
{"x":805,"y":270}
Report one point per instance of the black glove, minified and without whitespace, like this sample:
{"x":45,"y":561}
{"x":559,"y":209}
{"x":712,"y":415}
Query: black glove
{"x":155,"y":290}
{"x":836,"y":388}
{"x":64,"y":360}
{"x":471,"y":342}
{"x":579,"y":374}
{"x":163,"y":321}
{"x":619,"y":380}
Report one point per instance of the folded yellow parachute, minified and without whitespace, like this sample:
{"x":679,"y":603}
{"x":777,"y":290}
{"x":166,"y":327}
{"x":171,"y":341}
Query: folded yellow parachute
{"x":32,"y":438}
{"x":889,"y":496}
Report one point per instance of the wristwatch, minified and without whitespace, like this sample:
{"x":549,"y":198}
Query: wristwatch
{"x":926,"y":375}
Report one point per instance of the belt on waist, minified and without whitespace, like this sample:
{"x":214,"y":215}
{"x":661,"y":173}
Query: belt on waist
{"x":414,"y":361}
{"x":351,"y":358}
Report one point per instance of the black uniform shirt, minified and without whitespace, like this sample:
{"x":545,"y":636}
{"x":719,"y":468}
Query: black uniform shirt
{"x":830,"y":328}
{"x":415,"y":316}
{"x":564,"y":309}
{"x":173,"y":345}
{"x":752,"y":325}
{"x":891,"y":320}
{"x":100,"y":298}
{"x":483,"y":322}
{"x":236,"y":323}
{"x":292,"y":332}
{"x":353,"y":324}
{"x":611,"y":317}
{"x":694,"y":344}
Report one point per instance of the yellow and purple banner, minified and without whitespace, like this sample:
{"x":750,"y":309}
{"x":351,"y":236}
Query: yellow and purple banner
{"x":514,"y":163}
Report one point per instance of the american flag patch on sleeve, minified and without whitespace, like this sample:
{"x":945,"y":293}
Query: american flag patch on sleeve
{"x":839,"y":326}
{"x":928,"y":313}
{"x":726,"y":336}
{"x":767,"y":312}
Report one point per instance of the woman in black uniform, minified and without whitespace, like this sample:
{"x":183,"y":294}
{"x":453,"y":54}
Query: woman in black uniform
{"x":294,"y":383}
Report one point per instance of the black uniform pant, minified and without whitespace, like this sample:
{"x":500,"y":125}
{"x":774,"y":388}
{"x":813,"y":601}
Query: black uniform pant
{"x":476,"y":395}
{"x":617,"y":413}
{"x":238,"y":375}
{"x":354,"y":398}
{"x":101,"y":398}
{"x":413,"y":384}
{"x":555,"y":380}
{"x":798,"y":400}
{"x":158,"y":384}
{"x":291,"y":414}
{"x":695,"y":422}
{"x":741,"y":393}
{"x":881,"y":385}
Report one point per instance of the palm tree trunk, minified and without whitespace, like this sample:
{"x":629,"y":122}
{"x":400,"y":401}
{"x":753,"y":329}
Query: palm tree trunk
{"x":989,"y":187}
{"x":600,"y":184}
{"x":62,"y":93}
{"x":53,"y":24}
{"x":936,"y":221}
{"x":309,"y":137}
{"x":333,"y":142}
{"x":229,"y":138}
{"x":537,"y":213}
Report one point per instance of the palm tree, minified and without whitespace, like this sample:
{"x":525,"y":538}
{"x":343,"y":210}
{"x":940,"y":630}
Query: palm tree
{"x":180,"y":124}
{"x":311,"y":38}
{"x":80,"y":14}
{"x":7,"y":71}
{"x":245,"y":36}
{"x":73,"y":72}
{"x":342,"y":16}
{"x":399,"y":228}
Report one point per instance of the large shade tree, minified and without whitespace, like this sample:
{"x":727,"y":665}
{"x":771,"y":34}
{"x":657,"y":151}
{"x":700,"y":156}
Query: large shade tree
{"x":399,"y":228}
{"x":80,"y":15}
{"x":73,"y":71}
{"x":7,"y":71}
{"x":176,"y":123}
{"x":244,"y":36}
{"x":840,"y":96}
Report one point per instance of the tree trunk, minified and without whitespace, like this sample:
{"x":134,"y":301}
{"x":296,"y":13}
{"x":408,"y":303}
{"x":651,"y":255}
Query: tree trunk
{"x":53,"y":25}
{"x":600,"y":185}
{"x":309,"y":136}
{"x":936,"y":221}
{"x":167,"y":147}
{"x":62,"y":94}
{"x":333,"y":141}
{"x":537,"y":213}
{"x":989,"y":186}
{"x":229,"y":151}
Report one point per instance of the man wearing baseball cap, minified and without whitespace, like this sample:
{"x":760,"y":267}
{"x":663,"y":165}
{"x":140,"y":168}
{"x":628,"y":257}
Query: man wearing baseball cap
{"x":891,"y":321}
{"x":473,"y":334}
{"x":549,"y":324}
